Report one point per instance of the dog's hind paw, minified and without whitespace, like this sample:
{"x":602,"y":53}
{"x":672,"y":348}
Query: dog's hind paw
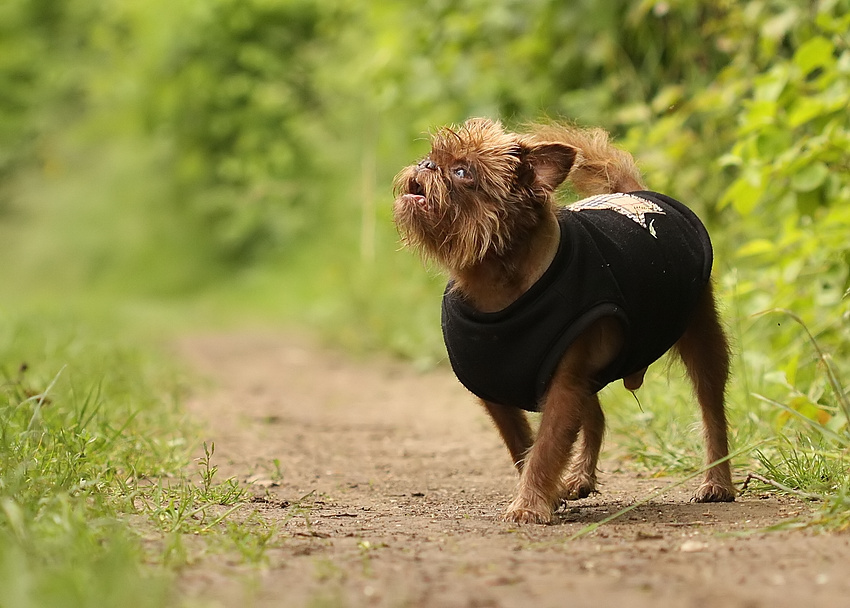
{"x":711,"y":491}
{"x":576,"y":486}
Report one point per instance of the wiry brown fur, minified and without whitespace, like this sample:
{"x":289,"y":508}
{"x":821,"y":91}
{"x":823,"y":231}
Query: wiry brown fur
{"x":462,"y":228}
{"x":481,"y":204}
{"x":600,"y":167}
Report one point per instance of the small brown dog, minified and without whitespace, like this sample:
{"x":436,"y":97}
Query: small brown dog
{"x":548,"y":304}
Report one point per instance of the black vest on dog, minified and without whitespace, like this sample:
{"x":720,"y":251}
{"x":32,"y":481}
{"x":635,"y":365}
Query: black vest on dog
{"x":642,"y":258}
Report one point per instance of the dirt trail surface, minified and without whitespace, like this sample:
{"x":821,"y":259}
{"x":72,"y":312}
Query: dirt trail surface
{"x":404,"y":480}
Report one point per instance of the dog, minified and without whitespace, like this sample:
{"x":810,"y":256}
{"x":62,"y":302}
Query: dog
{"x":547,"y":304}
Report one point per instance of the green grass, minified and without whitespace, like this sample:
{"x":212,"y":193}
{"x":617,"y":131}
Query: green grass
{"x":794,"y":408}
{"x":98,"y":493}
{"x":809,"y":456}
{"x":80,"y":418}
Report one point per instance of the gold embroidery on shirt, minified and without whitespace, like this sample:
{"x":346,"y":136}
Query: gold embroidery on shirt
{"x":630,"y":205}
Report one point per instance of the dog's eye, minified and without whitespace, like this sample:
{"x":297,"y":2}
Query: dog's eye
{"x":462,"y":173}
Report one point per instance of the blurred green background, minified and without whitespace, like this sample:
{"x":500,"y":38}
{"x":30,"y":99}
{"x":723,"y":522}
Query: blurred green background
{"x":171,"y":166}
{"x":234,"y":158}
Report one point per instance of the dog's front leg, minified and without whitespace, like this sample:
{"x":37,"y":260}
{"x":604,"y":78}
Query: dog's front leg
{"x":568,"y":404}
{"x":540,"y":481}
{"x":514,"y":428}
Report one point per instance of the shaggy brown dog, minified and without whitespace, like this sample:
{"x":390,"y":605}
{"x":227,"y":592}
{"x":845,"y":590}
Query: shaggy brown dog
{"x":547,"y":304}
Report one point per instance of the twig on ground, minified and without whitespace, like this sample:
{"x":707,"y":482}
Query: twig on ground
{"x":779,"y":486}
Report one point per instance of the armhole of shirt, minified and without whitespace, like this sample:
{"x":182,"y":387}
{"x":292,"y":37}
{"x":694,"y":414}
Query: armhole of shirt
{"x":560,"y":346}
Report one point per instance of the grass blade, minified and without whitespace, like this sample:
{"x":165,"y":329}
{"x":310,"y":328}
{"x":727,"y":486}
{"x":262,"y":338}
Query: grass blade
{"x":596,"y":525}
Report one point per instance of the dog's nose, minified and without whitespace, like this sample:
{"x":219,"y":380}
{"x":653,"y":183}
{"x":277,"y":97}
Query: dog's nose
{"x":428,"y":164}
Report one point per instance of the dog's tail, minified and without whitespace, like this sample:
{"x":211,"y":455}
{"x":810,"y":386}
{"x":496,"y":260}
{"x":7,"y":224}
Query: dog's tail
{"x":600,"y":167}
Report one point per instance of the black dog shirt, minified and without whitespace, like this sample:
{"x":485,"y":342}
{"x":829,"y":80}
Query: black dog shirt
{"x":642,"y":258}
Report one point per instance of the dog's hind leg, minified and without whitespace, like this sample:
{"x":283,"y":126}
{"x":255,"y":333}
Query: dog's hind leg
{"x":580,"y":480}
{"x":704,"y":350}
{"x":514,"y":428}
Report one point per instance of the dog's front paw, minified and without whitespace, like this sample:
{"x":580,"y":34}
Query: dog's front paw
{"x":575,"y":486}
{"x":712,"y":491}
{"x":528,"y":512}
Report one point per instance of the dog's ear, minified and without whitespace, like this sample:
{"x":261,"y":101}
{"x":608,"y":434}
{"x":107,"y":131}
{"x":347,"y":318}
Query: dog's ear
{"x":549,"y":163}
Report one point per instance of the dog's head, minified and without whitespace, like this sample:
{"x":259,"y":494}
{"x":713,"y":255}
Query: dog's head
{"x":477,"y":192}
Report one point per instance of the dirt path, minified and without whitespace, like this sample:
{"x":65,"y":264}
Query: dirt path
{"x":405,"y":480}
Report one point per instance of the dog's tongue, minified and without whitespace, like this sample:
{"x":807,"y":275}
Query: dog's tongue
{"x":415,"y":199}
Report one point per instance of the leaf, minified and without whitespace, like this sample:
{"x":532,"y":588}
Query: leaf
{"x":770,"y":86}
{"x":743,"y":195}
{"x":777,"y":27}
{"x":773,"y":141}
{"x":667,"y":98}
{"x":805,"y":109}
{"x":809,"y":177}
{"x":814,"y":53}
{"x":730,"y":160}
{"x":758,"y":115}
{"x":807,"y":203}
{"x":792,"y":366}
{"x":756,"y":247}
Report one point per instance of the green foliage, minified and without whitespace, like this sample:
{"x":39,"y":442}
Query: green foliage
{"x":763,"y":150}
{"x":38,"y":45}
{"x":602,"y":62}
{"x":790,"y":158}
{"x":234,"y":93}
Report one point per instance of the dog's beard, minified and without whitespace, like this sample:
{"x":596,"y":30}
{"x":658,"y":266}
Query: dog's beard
{"x":452,"y":229}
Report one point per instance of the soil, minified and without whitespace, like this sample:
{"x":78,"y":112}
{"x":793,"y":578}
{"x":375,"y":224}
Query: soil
{"x":385,"y":485}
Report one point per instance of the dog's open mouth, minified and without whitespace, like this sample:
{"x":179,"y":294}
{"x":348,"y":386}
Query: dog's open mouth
{"x":415,"y":195}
